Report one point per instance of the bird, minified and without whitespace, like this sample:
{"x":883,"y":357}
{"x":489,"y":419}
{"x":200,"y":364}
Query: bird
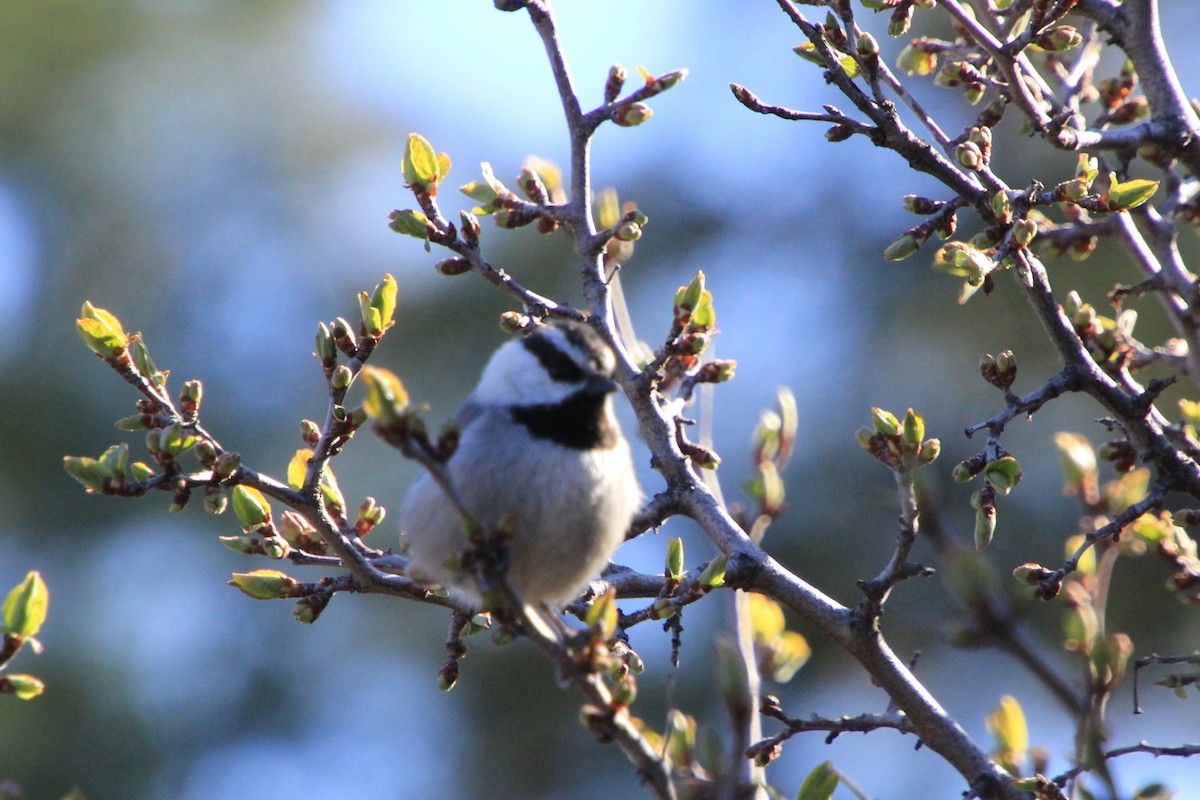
{"x":540,"y":455}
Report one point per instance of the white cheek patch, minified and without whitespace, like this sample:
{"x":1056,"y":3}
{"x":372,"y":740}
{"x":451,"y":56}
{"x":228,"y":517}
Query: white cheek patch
{"x":513,"y":376}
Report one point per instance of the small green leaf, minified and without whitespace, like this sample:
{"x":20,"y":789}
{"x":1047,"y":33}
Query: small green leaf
{"x":714,"y":574}
{"x":25,"y":607}
{"x":410,"y":223}
{"x":1003,"y":473}
{"x":90,"y":472}
{"x":1131,"y":194}
{"x":820,"y":783}
{"x":383,"y":299}
{"x":386,"y":398}
{"x":420,"y":163}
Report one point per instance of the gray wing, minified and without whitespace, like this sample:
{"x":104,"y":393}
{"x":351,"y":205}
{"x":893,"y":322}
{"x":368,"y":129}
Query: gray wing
{"x":468,"y":411}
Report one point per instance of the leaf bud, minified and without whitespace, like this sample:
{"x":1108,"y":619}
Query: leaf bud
{"x":885,"y":422}
{"x":141,"y":471}
{"x":310,"y":432}
{"x":531,"y":184}
{"x":1003,"y":473}
{"x":901,"y":20}
{"x":714,"y":574}
{"x":470,"y":229}
{"x":341,"y":377}
{"x":514,"y":321}
{"x":985,"y":526}
{"x":914,"y":429}
{"x":717,"y":371}
{"x":632,"y":114}
{"x":1023,"y":232}
{"x":227,"y":464}
{"x":453,"y":266}
{"x":902,"y":248}
{"x":616,"y":80}
{"x":628,"y":232}
{"x":275,"y":547}
{"x":930,"y":450}
{"x":370,"y":513}
{"x":326,"y":350}
{"x":1002,"y":207}
{"x":1059,"y":38}
{"x":206,"y":453}
{"x":969,"y":155}
{"x":663,"y":608}
{"x":251,"y":507}
{"x":866,"y":45}
{"x":240,"y":543}
{"x":215,"y":501}
{"x":264,"y":584}
{"x":190,"y":395}
{"x":25,"y":687}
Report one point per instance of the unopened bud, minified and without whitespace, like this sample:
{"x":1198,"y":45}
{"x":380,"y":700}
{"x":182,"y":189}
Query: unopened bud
{"x":1023,"y":232}
{"x":453,"y":266}
{"x":969,"y":155}
{"x":513,"y":321}
{"x":310,"y":432}
{"x":616,"y":80}
{"x":632,"y":114}
{"x":227,"y":464}
{"x":264,"y":584}
{"x":341,"y":377}
{"x":628,"y":232}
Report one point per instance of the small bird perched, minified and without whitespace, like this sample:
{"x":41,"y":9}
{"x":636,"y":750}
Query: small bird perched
{"x":540,"y":454}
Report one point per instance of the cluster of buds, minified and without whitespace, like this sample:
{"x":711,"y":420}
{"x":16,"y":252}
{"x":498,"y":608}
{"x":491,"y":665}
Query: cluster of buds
{"x":976,"y":151}
{"x":1000,"y":371}
{"x":900,"y":446}
{"x":259,"y":535}
{"x":965,"y":74}
{"x":1000,"y":475}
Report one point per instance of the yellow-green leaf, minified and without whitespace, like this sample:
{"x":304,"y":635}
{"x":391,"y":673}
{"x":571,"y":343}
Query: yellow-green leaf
{"x":820,"y":783}
{"x":1131,"y":194}
{"x":250,"y":506}
{"x":386,"y":398}
{"x":420,"y":163}
{"x":26,"y":605}
{"x":297,"y":468}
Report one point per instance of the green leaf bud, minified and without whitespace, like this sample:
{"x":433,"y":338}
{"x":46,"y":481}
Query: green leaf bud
{"x":383,"y":300}
{"x":930,"y":450}
{"x":25,"y":687}
{"x":453,"y":266}
{"x":713,"y":575}
{"x":985,"y":526}
{"x":275,"y":547}
{"x":341,"y":378}
{"x":663,"y":608}
{"x":632,"y":114}
{"x":884,"y":422}
{"x":264,"y":584}
{"x":420,"y":165}
{"x":914,"y":429}
{"x":410,"y":223}
{"x":215,"y":501}
{"x":94,"y":475}
{"x":326,"y":349}
{"x":674,"y":558}
{"x":969,"y":155}
{"x":176,"y":440}
{"x":614,"y":83}
{"x":1023,"y":232}
{"x":1003,"y":473}
{"x":902,"y":248}
{"x":227,"y":464}
{"x":628,"y":232}
{"x":1002,"y":207}
{"x":241,"y":543}
{"x":251,"y":507}
{"x":141,"y":471}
